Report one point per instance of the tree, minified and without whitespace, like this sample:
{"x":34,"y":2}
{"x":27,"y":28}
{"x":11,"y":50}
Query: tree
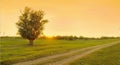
{"x":31,"y":24}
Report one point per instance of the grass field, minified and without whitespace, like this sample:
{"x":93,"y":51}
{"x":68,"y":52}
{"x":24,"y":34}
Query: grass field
{"x":14,"y":50}
{"x":106,"y":56}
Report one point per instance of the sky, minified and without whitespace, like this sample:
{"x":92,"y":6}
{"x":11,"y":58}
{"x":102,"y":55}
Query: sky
{"x":90,"y":18}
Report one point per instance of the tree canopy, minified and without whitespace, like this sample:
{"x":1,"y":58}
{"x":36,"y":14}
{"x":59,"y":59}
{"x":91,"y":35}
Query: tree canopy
{"x":31,"y":24}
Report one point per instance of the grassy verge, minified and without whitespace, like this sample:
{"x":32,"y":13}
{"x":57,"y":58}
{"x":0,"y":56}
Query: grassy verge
{"x":106,"y":56}
{"x":16,"y":49}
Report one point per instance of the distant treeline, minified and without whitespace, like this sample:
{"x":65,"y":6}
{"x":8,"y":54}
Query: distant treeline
{"x":67,"y":37}
{"x":76,"y":38}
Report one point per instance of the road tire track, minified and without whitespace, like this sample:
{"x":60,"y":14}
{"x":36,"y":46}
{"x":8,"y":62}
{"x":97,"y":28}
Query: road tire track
{"x":69,"y":59}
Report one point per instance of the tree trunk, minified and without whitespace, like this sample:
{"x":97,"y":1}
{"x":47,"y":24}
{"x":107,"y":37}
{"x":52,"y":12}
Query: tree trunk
{"x":31,"y":42}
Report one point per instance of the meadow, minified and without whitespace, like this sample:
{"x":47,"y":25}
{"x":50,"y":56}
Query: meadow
{"x":13,"y":49}
{"x":106,"y":56}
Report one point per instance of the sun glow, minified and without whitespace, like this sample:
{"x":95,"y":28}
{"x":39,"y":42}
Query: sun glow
{"x":50,"y":37}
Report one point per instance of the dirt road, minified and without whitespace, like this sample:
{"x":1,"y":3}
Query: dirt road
{"x":72,"y":55}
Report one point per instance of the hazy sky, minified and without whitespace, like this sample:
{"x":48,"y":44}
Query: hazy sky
{"x":92,"y":18}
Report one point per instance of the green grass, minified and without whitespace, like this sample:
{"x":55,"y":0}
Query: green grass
{"x":16,"y":49}
{"x":106,"y":56}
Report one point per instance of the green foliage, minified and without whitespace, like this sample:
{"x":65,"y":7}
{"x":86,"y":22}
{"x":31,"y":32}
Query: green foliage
{"x":30,"y":24}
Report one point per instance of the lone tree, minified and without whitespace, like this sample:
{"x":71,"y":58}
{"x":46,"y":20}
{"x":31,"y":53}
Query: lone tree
{"x":30,"y":24}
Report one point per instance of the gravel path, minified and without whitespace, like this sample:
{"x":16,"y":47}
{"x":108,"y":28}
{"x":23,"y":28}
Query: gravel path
{"x":69,"y":59}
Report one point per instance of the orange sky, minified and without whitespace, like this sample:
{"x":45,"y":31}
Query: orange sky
{"x":91,"y":18}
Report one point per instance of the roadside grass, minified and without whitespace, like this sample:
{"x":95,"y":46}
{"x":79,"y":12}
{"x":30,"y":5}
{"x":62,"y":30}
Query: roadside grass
{"x":13,"y":50}
{"x":106,"y":56}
